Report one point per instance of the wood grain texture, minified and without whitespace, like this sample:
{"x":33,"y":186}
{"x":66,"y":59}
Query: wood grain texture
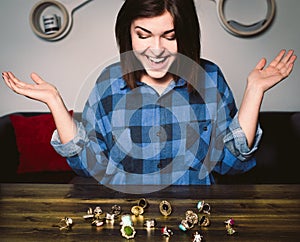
{"x":31,"y":212}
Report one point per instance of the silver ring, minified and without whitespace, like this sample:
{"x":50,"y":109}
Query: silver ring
{"x":166,"y":232}
{"x":116,"y":210}
{"x":150,"y":223}
{"x":142,"y":203}
{"x":65,"y":223}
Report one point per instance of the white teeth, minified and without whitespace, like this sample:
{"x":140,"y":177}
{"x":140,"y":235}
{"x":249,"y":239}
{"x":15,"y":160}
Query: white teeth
{"x":156,"y":60}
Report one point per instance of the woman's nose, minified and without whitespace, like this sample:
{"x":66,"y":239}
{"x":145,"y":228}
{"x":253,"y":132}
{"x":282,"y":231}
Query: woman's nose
{"x":157,"y":47}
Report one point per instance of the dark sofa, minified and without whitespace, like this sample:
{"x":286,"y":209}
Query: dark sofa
{"x":277,"y":157}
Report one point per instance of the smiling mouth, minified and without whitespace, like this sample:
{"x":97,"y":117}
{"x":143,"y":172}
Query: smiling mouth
{"x":156,"y":60}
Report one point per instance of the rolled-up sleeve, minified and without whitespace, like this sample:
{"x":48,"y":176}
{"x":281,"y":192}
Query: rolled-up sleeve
{"x":236,"y":142}
{"x":74,"y":146}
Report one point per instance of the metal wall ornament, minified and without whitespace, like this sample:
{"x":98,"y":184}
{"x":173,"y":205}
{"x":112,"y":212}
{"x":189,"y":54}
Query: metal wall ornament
{"x":243,"y":30}
{"x":63,"y":14}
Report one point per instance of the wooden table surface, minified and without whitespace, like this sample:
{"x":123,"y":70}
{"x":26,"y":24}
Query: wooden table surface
{"x":31,"y":212}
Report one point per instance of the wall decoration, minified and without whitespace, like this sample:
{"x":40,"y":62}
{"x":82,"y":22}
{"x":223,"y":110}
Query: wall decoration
{"x":242,"y":30}
{"x":52,"y":19}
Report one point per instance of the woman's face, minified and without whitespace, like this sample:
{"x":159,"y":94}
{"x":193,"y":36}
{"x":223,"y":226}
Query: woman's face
{"x":154,"y":43}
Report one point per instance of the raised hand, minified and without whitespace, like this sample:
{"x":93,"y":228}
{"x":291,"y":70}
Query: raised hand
{"x":39,"y":90}
{"x":264,"y":78}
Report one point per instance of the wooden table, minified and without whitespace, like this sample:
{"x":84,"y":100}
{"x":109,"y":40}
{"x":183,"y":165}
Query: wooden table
{"x":31,"y":212}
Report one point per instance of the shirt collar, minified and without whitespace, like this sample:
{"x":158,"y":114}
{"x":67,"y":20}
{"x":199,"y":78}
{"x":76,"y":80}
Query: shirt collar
{"x":123,"y":84}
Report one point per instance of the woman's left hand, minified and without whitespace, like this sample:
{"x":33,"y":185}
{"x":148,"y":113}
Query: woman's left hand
{"x":263,"y":78}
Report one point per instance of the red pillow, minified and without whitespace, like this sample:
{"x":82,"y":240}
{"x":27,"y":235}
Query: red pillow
{"x":33,"y":135}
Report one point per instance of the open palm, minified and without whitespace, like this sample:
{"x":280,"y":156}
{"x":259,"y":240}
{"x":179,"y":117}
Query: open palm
{"x":280,"y":67}
{"x":39,"y":90}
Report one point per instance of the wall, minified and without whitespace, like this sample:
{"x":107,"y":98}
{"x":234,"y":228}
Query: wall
{"x":73,"y":63}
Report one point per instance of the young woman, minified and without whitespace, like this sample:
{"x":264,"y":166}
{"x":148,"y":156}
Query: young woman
{"x":162,"y":115}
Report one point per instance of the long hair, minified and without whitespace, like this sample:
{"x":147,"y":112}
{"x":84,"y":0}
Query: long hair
{"x":186,"y":26}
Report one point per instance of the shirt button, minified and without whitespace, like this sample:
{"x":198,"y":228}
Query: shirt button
{"x":205,"y":128}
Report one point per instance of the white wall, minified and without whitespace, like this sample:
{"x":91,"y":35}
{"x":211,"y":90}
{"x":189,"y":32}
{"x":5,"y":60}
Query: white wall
{"x":70,"y":63}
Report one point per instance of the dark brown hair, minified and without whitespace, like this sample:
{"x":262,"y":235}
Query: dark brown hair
{"x":186,"y":25}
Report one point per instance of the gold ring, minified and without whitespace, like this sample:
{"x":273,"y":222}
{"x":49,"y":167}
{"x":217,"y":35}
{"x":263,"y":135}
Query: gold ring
{"x":165,"y":208}
{"x":128,"y":231}
{"x":137,"y":210}
{"x":191,"y":217}
{"x":204,"y":221}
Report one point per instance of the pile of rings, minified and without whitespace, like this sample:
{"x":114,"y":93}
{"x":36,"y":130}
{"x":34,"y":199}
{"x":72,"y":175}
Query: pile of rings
{"x":200,"y":218}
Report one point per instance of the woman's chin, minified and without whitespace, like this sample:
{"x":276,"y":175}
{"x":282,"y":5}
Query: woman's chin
{"x":156,"y":74}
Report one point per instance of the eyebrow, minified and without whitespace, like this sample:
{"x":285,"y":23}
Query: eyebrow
{"x":149,"y":32}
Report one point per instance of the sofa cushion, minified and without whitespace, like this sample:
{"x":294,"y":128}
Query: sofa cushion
{"x":33,"y":135}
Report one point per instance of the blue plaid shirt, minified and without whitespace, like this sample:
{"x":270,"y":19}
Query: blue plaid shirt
{"x":140,"y":137}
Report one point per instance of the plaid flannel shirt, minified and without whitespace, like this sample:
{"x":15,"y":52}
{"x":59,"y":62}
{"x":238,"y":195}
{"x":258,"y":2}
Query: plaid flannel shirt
{"x":140,"y":137}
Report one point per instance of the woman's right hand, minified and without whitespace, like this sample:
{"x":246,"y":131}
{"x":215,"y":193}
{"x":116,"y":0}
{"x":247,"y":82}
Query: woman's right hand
{"x":40,"y":90}
{"x":45,"y":92}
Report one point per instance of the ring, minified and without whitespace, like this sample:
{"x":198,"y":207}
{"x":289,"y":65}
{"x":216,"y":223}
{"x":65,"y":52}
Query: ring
{"x":197,"y":237}
{"x":116,"y":210}
{"x":98,"y":210}
{"x":126,"y":220}
{"x":143,"y":203}
{"x":65,"y":223}
{"x":230,"y":231}
{"x":166,"y":232}
{"x":203,"y":207}
{"x":137,"y":210}
{"x":200,"y":205}
{"x":165,"y":208}
{"x":191,"y":217}
{"x":204,"y":221}
{"x":229,"y":222}
{"x":185,"y":225}
{"x":97,"y":222}
{"x":110,"y":216}
{"x":150,"y":223}
{"x":128,"y":231}
{"x":89,"y":214}
{"x":206,"y":208}
{"x":182,"y":226}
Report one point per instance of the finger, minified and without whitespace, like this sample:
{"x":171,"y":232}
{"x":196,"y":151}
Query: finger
{"x":260,"y":65}
{"x":288,"y":56}
{"x":277,"y":59}
{"x":292,"y":59}
{"x":15,"y":82}
{"x":36,"y":78}
{"x":6,"y":79}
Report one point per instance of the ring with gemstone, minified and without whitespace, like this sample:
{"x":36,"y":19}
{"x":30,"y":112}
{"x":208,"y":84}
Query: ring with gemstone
{"x":128,"y":231}
{"x":166,"y":232}
{"x":165,"y":208}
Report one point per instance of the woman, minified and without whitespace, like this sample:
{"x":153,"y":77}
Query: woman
{"x":162,"y":115}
